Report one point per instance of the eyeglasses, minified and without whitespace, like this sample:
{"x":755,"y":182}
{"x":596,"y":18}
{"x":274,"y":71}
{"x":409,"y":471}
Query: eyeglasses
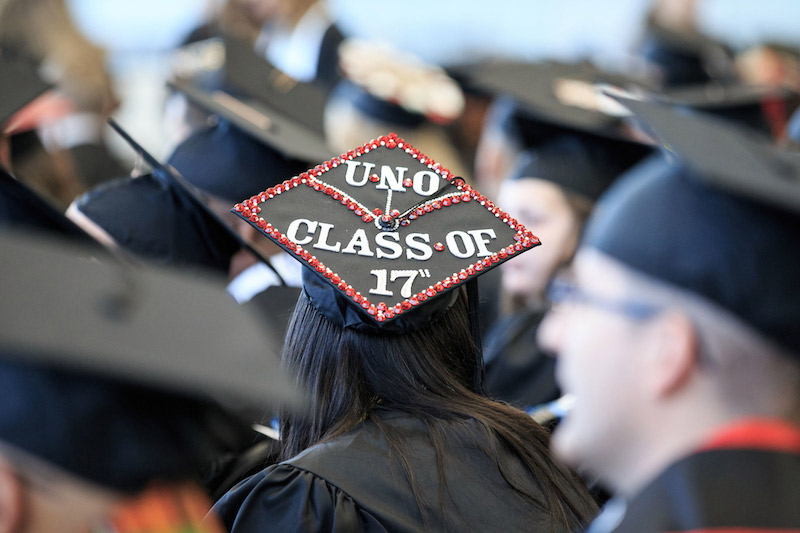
{"x":563,"y":290}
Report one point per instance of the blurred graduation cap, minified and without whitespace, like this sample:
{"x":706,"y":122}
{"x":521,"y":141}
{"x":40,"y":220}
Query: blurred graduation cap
{"x":395,"y":87}
{"x":763,"y":108}
{"x":117,"y":373}
{"x":21,"y":207}
{"x":163,"y":216}
{"x":718,"y":218}
{"x":385,"y":234}
{"x":548,"y":98}
{"x":726,"y":156}
{"x":263,"y":101}
{"x":19,"y":84}
{"x":250,"y":75}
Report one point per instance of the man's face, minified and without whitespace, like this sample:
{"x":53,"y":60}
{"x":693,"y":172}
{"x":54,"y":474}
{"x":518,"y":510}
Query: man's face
{"x":598,"y":347}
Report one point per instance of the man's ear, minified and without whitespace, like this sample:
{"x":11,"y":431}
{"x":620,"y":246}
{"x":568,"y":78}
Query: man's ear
{"x":12,"y":498}
{"x":671,"y":353}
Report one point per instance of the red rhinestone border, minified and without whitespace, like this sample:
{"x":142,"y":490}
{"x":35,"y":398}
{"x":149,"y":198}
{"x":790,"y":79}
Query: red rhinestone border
{"x":249,"y":210}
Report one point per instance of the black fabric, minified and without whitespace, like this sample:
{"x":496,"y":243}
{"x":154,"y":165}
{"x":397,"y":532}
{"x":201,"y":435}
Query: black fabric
{"x":227,"y":162}
{"x":753,"y":490}
{"x":147,"y":217}
{"x":517,"y":371}
{"x":356,"y":482}
{"x":662,"y":221}
{"x":116,"y":434}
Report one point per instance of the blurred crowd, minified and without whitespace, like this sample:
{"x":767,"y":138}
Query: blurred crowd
{"x":533,"y":105}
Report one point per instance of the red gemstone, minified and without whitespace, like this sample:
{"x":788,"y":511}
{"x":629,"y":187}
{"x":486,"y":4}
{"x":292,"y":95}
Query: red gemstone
{"x":407,"y":182}
{"x":412,"y":216}
{"x":413,"y":301}
{"x":388,"y":314}
{"x":377,"y":212}
{"x":365,"y":304}
{"x":261,"y":223}
{"x":419,"y":212}
{"x":253,"y":218}
{"x":510,"y":250}
{"x":306,"y":255}
{"x":395,"y":213}
{"x":391,"y":145}
{"x":502,"y":254}
{"x":336,"y":196}
{"x":374,"y":178}
{"x":290,"y":245}
{"x":404,"y":222}
{"x":238,"y":208}
{"x":421,"y":296}
{"x":283,"y":239}
{"x":372,"y":310}
{"x":320,"y":268}
{"x":335,"y":279}
{"x":447,"y":283}
{"x":246,"y":212}
{"x":352,"y":206}
{"x":398,"y":309}
{"x":380,"y":317}
{"x":462,"y":275}
{"x":367,"y":218}
{"x":357,"y":298}
{"x":430,"y":293}
{"x":466,"y":197}
{"x":456,"y":199}
{"x":471,"y":270}
{"x":382,"y":306}
{"x":487,"y":262}
{"x":275,"y":234}
{"x":343,"y":286}
{"x":350,"y":291}
{"x":437,"y":204}
{"x":478,"y":267}
{"x":359,"y":212}
{"x":438,"y":247}
{"x":518,"y":247}
{"x":446,"y":202}
{"x":313,"y":261}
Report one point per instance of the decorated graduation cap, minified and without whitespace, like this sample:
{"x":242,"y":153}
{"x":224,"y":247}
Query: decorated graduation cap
{"x":384,"y":230}
{"x":124,"y":375}
{"x":719,"y":220}
{"x":396,"y":87}
{"x":19,"y":84}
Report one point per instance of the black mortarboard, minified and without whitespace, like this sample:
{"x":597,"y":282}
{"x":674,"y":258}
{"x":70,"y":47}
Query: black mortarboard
{"x":19,"y":84}
{"x":224,"y":161}
{"x":581,"y":166}
{"x":21,"y":207}
{"x":273,"y":124}
{"x":545,"y":99}
{"x":384,"y":230}
{"x":162,"y":216}
{"x":395,"y":87}
{"x":762,"y":108}
{"x":117,"y":373}
{"x":722,"y":224}
{"x":251,"y":76}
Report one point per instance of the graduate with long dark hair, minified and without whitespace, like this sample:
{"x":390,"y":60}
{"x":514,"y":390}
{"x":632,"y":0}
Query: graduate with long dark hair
{"x":400,"y":435}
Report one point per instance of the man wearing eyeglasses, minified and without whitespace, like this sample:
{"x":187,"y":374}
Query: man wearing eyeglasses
{"x":678,"y":333}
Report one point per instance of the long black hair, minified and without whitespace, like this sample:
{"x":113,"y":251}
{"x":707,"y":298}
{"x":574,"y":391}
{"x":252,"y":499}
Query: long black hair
{"x":428,"y":373}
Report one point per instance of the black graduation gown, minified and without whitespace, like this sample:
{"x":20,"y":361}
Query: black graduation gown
{"x":356,"y":483}
{"x":748,"y":488}
{"x":517,"y":371}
